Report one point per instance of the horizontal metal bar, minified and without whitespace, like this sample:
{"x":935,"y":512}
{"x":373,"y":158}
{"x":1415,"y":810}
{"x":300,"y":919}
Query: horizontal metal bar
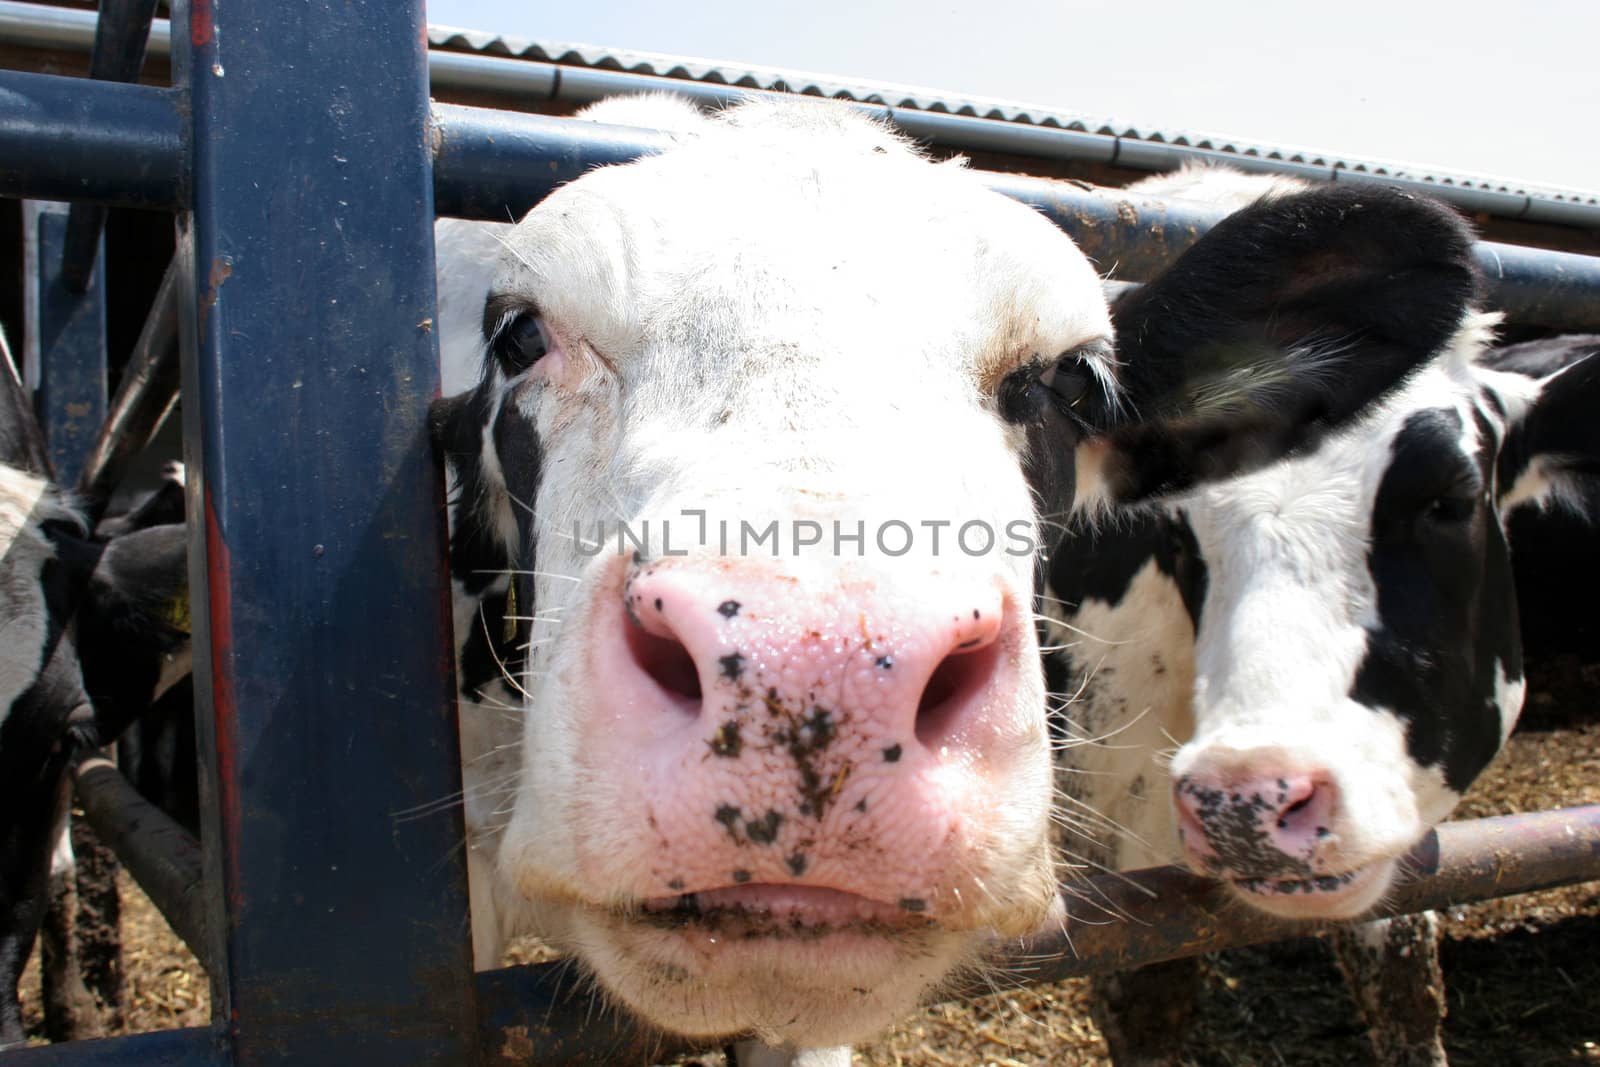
{"x":159,"y":853}
{"x":548,"y":1014}
{"x":192,"y":1047}
{"x":120,"y":35}
{"x":76,"y":139}
{"x":542,"y":1013}
{"x":84,"y":140}
{"x":149,"y":389}
{"x":1560,"y":290}
{"x":529,"y":81}
{"x":1171,"y":913}
{"x":497,"y":164}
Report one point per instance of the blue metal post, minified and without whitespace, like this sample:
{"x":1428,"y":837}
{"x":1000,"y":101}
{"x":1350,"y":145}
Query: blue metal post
{"x":120,"y":36}
{"x":69,"y":331}
{"x":322,"y":644}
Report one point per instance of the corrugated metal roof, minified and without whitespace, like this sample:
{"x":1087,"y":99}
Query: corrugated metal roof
{"x":576,"y":73}
{"x":912,"y":98}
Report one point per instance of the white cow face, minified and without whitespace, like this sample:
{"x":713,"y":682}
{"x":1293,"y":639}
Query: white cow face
{"x":787,"y":786}
{"x":811,"y":783}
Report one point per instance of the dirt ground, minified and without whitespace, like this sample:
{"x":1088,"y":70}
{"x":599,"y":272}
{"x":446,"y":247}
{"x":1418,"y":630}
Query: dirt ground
{"x":1523,"y":973}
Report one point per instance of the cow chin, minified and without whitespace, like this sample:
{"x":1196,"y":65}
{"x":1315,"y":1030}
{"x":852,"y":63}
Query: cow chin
{"x":1323,"y":897}
{"x":831,"y":988}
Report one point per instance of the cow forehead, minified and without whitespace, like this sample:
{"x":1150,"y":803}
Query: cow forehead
{"x":815,"y":239}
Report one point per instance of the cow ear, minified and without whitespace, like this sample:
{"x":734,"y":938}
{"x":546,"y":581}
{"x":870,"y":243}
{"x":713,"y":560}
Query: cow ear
{"x":1551,"y":454}
{"x":133,"y":625}
{"x":1282,"y":322}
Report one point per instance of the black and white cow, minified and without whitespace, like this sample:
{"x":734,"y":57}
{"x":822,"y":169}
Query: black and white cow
{"x":89,"y":635}
{"x":789,"y":791}
{"x":1287,"y":678}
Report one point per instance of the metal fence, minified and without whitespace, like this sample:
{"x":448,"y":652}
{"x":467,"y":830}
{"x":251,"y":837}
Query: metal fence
{"x":304,"y":175}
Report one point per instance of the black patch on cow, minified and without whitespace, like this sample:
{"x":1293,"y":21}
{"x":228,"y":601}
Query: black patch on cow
{"x":135,"y":613}
{"x":1560,"y":429}
{"x":1101,"y":563}
{"x":479,"y":559}
{"x":1446,"y":604}
{"x":477,"y":555}
{"x":163,"y":507}
{"x":1282,"y":322}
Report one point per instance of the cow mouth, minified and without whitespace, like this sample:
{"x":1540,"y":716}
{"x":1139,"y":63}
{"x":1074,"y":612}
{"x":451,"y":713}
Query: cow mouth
{"x":752,"y":911}
{"x":1326,"y":896}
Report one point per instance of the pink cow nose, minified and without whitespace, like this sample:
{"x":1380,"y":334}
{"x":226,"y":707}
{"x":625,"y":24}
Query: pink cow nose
{"x":1265,"y":825}
{"x":762,"y":723}
{"x":697,"y":629}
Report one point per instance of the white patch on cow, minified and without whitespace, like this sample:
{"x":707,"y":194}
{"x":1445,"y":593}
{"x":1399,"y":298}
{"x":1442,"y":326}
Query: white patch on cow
{"x":25,"y":503}
{"x":1534,"y":487}
{"x":1129,"y":708}
{"x":1509,"y":694}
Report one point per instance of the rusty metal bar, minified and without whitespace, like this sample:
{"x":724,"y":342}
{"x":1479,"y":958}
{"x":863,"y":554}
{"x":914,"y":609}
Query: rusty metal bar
{"x":149,"y":389}
{"x":1172,"y":913}
{"x":159,"y":853}
{"x":543,"y":1014}
{"x":496,"y":165}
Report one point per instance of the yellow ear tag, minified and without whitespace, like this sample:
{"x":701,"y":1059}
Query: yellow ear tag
{"x":508,"y":630}
{"x":177,"y":613}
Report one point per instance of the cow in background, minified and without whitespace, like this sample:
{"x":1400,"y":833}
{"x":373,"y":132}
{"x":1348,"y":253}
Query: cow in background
{"x":90,"y":637}
{"x":1287,"y":678}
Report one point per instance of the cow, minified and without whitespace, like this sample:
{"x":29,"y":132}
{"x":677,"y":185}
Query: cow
{"x":90,"y":635}
{"x":1286,"y":679}
{"x":788,"y":789}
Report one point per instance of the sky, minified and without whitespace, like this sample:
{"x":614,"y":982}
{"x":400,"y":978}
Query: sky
{"x":1503,"y":89}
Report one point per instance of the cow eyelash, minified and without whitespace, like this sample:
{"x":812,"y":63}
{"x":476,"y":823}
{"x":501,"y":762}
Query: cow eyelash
{"x":1060,"y":385}
{"x":519,"y":341}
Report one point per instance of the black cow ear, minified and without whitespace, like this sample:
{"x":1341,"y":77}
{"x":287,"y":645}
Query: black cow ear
{"x":134,"y":623}
{"x":1551,"y":454}
{"x":1285,"y":320}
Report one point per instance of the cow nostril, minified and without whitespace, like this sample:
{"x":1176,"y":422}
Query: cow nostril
{"x":951,"y":686}
{"x":668,"y":664}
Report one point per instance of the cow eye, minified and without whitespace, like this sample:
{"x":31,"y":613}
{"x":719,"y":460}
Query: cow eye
{"x":1068,"y":379}
{"x":1059,"y":385}
{"x":521,"y":342}
{"x":1452,"y":509}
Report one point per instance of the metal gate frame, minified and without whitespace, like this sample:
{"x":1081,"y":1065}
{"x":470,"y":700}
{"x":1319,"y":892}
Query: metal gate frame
{"x":305,"y":176}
